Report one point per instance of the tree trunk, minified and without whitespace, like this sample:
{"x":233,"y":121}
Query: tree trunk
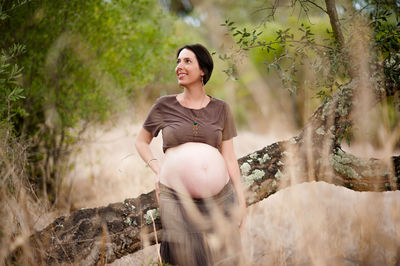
{"x":98,"y":235}
{"x":334,"y":20}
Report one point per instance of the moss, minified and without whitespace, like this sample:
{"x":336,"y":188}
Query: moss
{"x":245,"y":168}
{"x":339,"y":163}
{"x":330,"y":132}
{"x":320,"y":131}
{"x":341,"y":160}
{"x":327,"y":110}
{"x":348,"y":158}
{"x":264,"y":158}
{"x":341,"y":103}
{"x":129,"y":206}
{"x":257,"y":174}
{"x":152,"y":212}
{"x":347,"y":171}
{"x":343,"y":106}
{"x":368,"y":173}
{"x":278,"y":174}
{"x":128,"y":221}
{"x":253,"y":155}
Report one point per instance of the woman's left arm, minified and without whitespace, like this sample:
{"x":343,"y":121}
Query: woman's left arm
{"x":228,"y":153}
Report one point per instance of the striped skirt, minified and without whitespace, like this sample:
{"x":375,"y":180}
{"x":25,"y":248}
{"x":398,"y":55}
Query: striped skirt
{"x":200,"y":231}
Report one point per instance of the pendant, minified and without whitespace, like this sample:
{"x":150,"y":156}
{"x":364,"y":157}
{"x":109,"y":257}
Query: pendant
{"x":195,"y":128}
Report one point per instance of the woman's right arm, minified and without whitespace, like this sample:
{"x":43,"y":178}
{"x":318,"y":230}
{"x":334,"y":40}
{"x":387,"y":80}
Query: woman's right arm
{"x":142,"y":144}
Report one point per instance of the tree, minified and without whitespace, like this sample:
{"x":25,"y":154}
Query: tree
{"x":314,"y":154}
{"x":84,"y":61}
{"x":63,"y":66}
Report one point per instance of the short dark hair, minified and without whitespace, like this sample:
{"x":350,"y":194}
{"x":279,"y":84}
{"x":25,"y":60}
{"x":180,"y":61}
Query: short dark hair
{"x":204,"y":58}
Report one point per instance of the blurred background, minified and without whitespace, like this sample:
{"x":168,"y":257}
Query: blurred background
{"x":78,"y":78}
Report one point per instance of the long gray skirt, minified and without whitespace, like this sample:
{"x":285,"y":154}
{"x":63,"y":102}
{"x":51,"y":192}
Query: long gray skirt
{"x":202,"y":231}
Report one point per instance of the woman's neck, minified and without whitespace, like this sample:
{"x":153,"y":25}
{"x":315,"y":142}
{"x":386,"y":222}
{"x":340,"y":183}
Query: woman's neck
{"x":194,"y":93}
{"x":194,"y":97}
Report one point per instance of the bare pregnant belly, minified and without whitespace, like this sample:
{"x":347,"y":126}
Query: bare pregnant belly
{"x":197,"y":169}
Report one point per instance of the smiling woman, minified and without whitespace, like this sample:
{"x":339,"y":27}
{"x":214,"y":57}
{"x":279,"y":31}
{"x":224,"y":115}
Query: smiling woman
{"x":198,"y":185}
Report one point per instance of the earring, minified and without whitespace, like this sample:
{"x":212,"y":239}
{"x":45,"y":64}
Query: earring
{"x":202,"y":80}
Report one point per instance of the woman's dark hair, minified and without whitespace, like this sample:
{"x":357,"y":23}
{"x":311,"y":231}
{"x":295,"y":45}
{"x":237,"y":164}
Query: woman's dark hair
{"x":203,"y":57}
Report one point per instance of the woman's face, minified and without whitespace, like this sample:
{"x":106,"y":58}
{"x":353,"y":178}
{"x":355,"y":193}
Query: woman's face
{"x":187,"y":69}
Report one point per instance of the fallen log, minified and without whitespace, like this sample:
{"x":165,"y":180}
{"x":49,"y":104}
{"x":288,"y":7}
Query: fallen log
{"x":104,"y":234}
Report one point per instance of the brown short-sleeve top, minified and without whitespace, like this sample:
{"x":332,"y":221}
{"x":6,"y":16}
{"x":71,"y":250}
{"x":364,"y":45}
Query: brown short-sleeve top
{"x":214,"y":122}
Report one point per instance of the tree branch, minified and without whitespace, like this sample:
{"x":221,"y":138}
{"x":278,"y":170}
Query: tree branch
{"x":334,"y":19}
{"x":316,"y":5}
{"x":287,"y":41}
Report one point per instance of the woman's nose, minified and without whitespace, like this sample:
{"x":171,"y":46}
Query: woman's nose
{"x":178,"y":67}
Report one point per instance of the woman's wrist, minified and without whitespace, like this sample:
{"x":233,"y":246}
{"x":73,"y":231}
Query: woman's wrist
{"x":149,"y":161}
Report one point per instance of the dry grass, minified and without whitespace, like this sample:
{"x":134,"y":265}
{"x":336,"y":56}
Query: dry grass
{"x":311,"y":224}
{"x":19,"y":208}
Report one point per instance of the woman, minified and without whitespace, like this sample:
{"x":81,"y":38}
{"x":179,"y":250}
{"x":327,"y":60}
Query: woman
{"x":198,"y":186}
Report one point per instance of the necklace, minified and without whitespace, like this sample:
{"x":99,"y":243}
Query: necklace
{"x":194,"y":119}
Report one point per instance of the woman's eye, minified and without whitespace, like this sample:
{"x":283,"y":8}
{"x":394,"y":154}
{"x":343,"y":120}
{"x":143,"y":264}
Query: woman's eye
{"x":185,"y":60}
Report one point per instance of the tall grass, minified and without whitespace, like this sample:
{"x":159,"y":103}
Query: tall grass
{"x":19,"y":206}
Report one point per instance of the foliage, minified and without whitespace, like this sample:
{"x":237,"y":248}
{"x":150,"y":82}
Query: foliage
{"x":385,"y":20}
{"x":82,"y":59}
{"x":294,"y":51}
{"x":11,"y":90}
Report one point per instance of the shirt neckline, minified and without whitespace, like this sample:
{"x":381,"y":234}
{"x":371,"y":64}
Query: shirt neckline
{"x":211,"y":99}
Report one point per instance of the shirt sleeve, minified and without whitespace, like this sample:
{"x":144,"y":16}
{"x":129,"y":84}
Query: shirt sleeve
{"x":229,"y":130}
{"x":154,"y":121}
